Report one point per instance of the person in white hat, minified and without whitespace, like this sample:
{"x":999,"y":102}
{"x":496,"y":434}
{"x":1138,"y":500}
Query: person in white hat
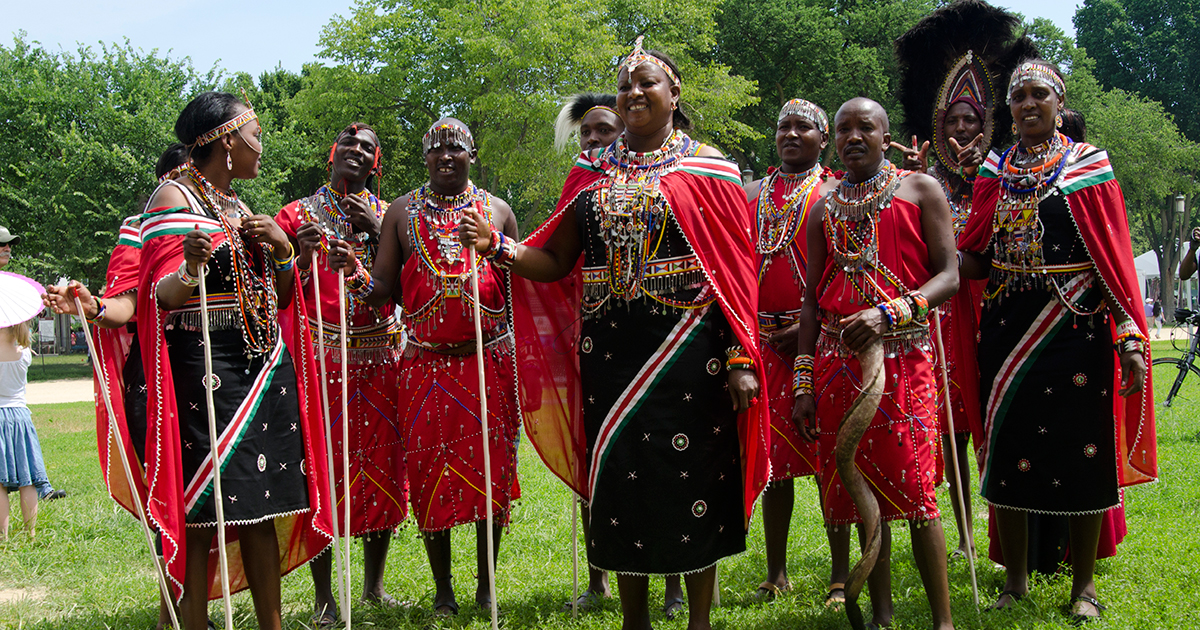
{"x":7,"y":240}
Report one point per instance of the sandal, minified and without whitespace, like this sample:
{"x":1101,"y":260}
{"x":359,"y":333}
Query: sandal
{"x":1013,"y":598}
{"x":673,"y":607}
{"x":1078,"y":619}
{"x":768,"y":591}
{"x":320,"y":619}
{"x":445,"y":609}
{"x":586,"y":601}
{"x":835,"y":596}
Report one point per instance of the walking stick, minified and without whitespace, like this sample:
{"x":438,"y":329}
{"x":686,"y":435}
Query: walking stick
{"x":213,"y":452}
{"x":141,"y":512}
{"x":345,"y":430}
{"x":575,"y":556}
{"x":337,"y":551}
{"x":954,"y":454}
{"x":487,"y":454}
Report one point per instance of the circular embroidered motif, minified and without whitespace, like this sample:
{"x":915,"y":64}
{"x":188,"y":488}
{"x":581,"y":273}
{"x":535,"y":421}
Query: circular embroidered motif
{"x":1023,"y":465}
{"x":302,"y":471}
{"x":713,"y":367}
{"x":1080,"y":379}
{"x":1090,"y":450}
{"x":699,"y":508}
{"x":216,"y":382}
{"x":262,"y":463}
{"x":586,"y":345}
{"x":680,"y":442}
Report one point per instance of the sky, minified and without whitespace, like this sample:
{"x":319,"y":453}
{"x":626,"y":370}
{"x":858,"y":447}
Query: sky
{"x":249,"y":36}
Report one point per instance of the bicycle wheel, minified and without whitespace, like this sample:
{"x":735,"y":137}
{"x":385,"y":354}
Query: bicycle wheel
{"x":1176,"y":397}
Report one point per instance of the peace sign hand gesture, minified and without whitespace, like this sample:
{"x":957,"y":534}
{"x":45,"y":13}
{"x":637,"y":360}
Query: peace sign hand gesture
{"x":969,"y":157}
{"x":914,"y":158}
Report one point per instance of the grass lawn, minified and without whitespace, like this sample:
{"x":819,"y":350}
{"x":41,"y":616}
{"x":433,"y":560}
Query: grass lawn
{"x":88,"y":568}
{"x":59,"y":366}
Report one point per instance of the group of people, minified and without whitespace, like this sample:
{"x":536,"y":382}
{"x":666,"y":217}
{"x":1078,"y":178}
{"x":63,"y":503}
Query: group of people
{"x":676,"y":342}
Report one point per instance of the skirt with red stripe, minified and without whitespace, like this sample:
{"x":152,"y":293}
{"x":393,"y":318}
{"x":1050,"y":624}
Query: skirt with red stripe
{"x":379,"y":481}
{"x":791,"y":455}
{"x":443,"y":435}
{"x":898,"y":453}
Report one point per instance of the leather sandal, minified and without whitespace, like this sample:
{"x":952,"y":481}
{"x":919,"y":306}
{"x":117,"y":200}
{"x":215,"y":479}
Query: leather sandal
{"x":1078,"y":619}
{"x":835,"y":596}
{"x":1013,"y":597}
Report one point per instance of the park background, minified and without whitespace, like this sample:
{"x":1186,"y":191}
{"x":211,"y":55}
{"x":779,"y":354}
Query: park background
{"x":84,"y":124}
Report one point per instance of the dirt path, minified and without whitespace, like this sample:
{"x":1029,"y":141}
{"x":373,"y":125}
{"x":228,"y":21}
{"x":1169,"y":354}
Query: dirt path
{"x":73,"y":390}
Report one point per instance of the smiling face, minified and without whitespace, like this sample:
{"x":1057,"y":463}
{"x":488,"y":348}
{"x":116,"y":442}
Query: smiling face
{"x":449,"y":164}
{"x":599,"y":128}
{"x":646,"y":100}
{"x":799,"y":143}
{"x":962,"y":124}
{"x":1034,"y":106}
{"x":5,"y":254}
{"x":860,"y":134}
{"x":354,"y":155}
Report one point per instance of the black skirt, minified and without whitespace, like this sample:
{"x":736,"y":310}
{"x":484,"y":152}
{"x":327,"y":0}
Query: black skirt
{"x":264,"y":474}
{"x":662,"y":439}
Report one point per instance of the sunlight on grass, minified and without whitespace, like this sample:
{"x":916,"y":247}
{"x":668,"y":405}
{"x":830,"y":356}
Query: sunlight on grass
{"x":88,"y":568}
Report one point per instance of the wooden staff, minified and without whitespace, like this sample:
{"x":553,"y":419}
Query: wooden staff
{"x":487,"y":455}
{"x":575,"y":555}
{"x":337,"y":551}
{"x":112,"y":425}
{"x":954,"y":454}
{"x":345,"y":431}
{"x":213,"y":452}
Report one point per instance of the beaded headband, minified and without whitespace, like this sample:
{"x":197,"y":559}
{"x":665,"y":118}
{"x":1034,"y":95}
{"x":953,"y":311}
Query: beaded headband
{"x":806,"y":109}
{"x":1030,"y":71}
{"x":640,"y":56}
{"x":604,"y":107}
{"x":447,"y":134}
{"x":228,"y":127}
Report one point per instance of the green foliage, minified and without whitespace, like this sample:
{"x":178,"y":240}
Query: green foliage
{"x":1151,"y":47}
{"x":835,"y":51}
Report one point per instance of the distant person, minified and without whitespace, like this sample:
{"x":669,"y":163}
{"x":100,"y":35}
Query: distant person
{"x":1187,"y":266}
{"x":21,"y":465}
{"x":1157,"y":313}
{"x":44,"y":490}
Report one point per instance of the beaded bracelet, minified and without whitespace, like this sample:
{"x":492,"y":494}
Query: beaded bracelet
{"x":738,"y":359}
{"x":502,"y":251}
{"x":802,"y":374}
{"x":287,"y":263}
{"x":99,"y":312}
{"x":185,"y":277}
{"x":897,"y":312}
{"x":1129,"y":337}
{"x":920,"y":305}
{"x":360,"y":283}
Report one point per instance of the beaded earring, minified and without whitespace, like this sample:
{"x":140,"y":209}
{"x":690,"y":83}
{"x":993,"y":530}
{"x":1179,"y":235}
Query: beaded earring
{"x":1058,"y":121}
{"x":1014,"y":128}
{"x":229,"y":161}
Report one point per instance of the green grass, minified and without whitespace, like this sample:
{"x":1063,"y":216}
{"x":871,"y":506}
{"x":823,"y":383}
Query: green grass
{"x":89,"y":568}
{"x":59,"y":366}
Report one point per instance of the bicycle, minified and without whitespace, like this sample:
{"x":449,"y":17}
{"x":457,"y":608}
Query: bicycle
{"x":1177,"y":398}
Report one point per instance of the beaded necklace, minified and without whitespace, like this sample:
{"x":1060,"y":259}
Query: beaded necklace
{"x":1026,"y":177}
{"x":778,"y":226}
{"x":958,"y":197}
{"x":852,"y":231}
{"x":220,"y":202}
{"x":632,"y":208}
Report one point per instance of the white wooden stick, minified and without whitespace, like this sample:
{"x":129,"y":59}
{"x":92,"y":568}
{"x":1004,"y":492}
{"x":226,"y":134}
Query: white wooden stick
{"x":213,"y":436}
{"x":137,"y":497}
{"x":937,"y":319}
{"x":337,"y":550}
{"x":575,"y":556}
{"x":487,"y":455}
{"x":716,"y":586}
{"x":345,"y":432}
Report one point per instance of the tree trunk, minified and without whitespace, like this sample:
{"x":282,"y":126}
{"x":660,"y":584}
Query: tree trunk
{"x":1168,"y":257}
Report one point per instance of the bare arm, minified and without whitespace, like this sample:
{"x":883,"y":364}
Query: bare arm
{"x":118,"y":310}
{"x":540,"y":264}
{"x":1187,"y":266}
{"x":394,"y":250}
{"x":804,"y":412}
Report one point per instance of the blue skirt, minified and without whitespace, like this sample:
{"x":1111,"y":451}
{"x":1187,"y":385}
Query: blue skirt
{"x":21,"y":461}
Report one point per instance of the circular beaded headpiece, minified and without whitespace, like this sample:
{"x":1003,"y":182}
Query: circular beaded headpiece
{"x":1040,"y":72}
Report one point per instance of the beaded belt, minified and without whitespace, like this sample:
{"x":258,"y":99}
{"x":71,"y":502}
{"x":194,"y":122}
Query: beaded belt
{"x":501,"y":340}
{"x":898,"y":341}
{"x":772,"y":322}
{"x":223,"y":314}
{"x":1041,"y":269}
{"x":381,"y":341}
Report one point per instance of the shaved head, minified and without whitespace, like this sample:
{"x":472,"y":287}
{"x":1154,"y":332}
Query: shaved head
{"x":864,"y":105}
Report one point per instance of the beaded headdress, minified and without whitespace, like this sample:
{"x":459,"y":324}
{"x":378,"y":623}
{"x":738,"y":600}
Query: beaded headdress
{"x":806,"y":109}
{"x":640,"y":56}
{"x":967,"y":82}
{"x":1040,"y":72}
{"x":577,"y":107}
{"x":448,"y":134}
{"x":228,"y":127}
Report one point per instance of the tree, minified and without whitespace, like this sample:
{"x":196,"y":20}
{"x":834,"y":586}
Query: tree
{"x":1151,"y":47}
{"x":825,"y":51}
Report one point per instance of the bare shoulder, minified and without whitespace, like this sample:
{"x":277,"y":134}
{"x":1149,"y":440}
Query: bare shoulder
{"x":707,"y":150}
{"x":506,"y":219}
{"x":920,"y":188}
{"x":168,"y":197}
{"x":752,"y":189}
{"x":829,"y":184}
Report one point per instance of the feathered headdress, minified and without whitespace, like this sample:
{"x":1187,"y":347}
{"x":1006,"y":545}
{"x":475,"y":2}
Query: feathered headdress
{"x":570,"y":117}
{"x":963,"y":52}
